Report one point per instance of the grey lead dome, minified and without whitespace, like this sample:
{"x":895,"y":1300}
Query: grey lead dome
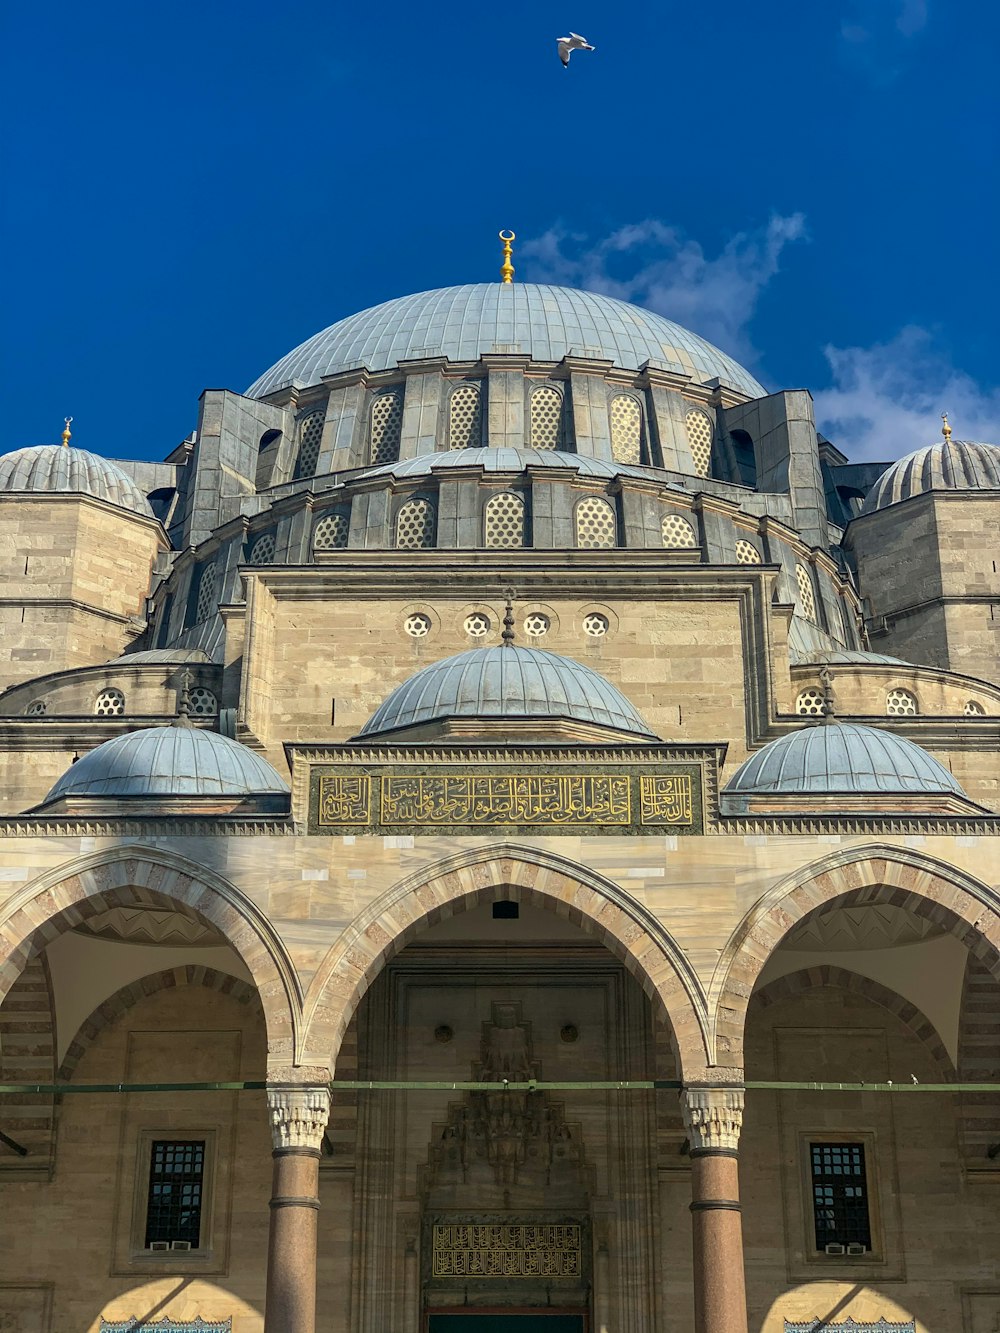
{"x":55,"y":468}
{"x":949,"y":465}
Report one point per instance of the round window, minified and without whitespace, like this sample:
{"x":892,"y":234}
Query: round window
{"x":417,"y":626}
{"x":477,"y":626}
{"x":595,"y":625}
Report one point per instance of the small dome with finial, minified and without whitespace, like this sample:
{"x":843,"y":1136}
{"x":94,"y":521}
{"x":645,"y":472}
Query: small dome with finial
{"x":61,"y":469}
{"x":949,"y":465}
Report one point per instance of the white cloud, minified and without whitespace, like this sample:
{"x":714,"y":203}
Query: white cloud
{"x":887,"y":399}
{"x":873,"y":34}
{"x":660,"y":268}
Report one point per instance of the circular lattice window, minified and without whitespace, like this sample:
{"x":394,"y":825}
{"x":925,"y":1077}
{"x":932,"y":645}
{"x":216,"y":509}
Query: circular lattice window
{"x":331,"y":532}
{"x":416,"y":524}
{"x":747,"y":553}
{"x":900,"y":703}
{"x":477,"y":626}
{"x":206,"y":592}
{"x":262,"y":551}
{"x":546,"y":418}
{"x":110,"y":703}
{"x":809,"y":704}
{"x":677,"y":532}
{"x":807,"y":599}
{"x":503,"y":521}
{"x":595,"y":625}
{"x":596,"y":524}
{"x":699,"y":433}
{"x":465,"y":418}
{"x":310,"y":435}
{"x":974,"y":709}
{"x":384,"y":427}
{"x":203,"y":702}
{"x":536,"y":624}
{"x":626,"y":429}
{"x":418,"y":626}
{"x":38,"y":708}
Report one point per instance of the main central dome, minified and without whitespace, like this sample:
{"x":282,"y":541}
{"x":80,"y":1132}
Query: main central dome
{"x":545,"y":323}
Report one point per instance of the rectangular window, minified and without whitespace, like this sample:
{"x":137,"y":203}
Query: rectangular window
{"x":840,"y":1194}
{"x":173,"y":1207}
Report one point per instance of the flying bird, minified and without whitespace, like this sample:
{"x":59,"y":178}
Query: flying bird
{"x":567,"y":45}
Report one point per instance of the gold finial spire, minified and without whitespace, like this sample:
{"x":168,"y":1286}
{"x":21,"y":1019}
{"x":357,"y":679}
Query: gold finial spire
{"x":507,"y":268}
{"x":67,"y":433}
{"x":945,"y":429}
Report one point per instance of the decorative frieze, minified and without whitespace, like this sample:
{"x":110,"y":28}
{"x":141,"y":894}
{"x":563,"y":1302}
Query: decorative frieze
{"x":713,"y":1117}
{"x":298,"y":1116}
{"x":506,"y":1250}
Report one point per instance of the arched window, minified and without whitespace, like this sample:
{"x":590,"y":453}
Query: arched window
{"x":110,"y":703}
{"x":207,"y":582}
{"x":203,"y":702}
{"x":503,"y":521}
{"x":746,"y":458}
{"x":596,"y":523}
{"x":39,"y":707}
{"x":545,"y":427}
{"x":626,"y":429}
{"x":677,"y":533}
{"x":807,"y":598}
{"x":416,"y":524}
{"x":809,"y":703}
{"x":310,"y":435}
{"x":699,"y":433}
{"x":330,"y":532}
{"x":384,"y":427}
{"x":262,"y":551}
{"x":465,"y":417}
{"x":747,"y":553}
{"x":267,"y":452}
{"x":973,"y":708}
{"x":901,"y":703}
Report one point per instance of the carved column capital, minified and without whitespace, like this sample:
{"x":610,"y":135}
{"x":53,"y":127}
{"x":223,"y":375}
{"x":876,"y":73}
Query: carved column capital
{"x":713,"y":1118}
{"x":298,"y":1117}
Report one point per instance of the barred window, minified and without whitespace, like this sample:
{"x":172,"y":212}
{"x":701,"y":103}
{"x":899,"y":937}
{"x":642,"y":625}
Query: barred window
{"x":310,"y":435}
{"x":262,"y":551}
{"x":677,"y":532}
{"x":809,"y":703}
{"x":465,"y":417}
{"x":626,"y":429}
{"x":807,"y":598}
{"x":596,"y":523}
{"x":973,"y":708}
{"x":173,"y":1206}
{"x":545,"y":427}
{"x":503,"y":521}
{"x":39,"y":707}
{"x":840,"y":1195}
{"x":110,"y":703}
{"x":385,"y":425}
{"x":699,"y":433}
{"x":747,"y":553}
{"x":203,"y":702}
{"x":416,"y":524}
{"x":330,"y":532}
{"x":901,"y":703}
{"x":205,"y":604}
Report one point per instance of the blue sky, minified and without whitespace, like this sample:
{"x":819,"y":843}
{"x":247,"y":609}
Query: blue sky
{"x":194,"y":189}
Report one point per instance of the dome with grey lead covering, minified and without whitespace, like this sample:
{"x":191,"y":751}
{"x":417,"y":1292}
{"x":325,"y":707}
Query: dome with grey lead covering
{"x":949,"y":465}
{"x":56,"y":469}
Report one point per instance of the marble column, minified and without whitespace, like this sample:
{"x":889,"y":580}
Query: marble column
{"x":713,"y":1118}
{"x":298,"y":1119}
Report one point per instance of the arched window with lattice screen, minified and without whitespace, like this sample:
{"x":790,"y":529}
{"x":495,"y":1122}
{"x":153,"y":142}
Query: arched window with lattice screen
{"x":626,"y":429}
{"x":310,"y":436}
{"x":110,"y":703}
{"x":747,"y":553}
{"x":262,"y":550}
{"x":810,"y":703}
{"x":545,"y":429}
{"x":503,"y":521}
{"x":385,"y":422}
{"x":206,"y":600}
{"x":699,"y":433}
{"x":596,"y":523}
{"x":330,"y":531}
{"x":901,"y":703}
{"x":465,"y":417}
{"x":676,"y":532}
{"x":416,"y":524}
{"x":807,"y":598}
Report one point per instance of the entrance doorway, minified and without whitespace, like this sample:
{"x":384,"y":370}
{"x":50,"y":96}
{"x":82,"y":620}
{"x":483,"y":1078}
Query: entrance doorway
{"x":504,"y":1321}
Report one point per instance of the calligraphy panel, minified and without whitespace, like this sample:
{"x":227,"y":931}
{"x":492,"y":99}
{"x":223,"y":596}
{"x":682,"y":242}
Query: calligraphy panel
{"x":507,"y":1250}
{"x":512,"y":798}
{"x":344,"y":799}
{"x":666,"y":799}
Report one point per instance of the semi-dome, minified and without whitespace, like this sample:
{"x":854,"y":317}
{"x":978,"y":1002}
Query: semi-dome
{"x":507,"y":682}
{"x":842,"y":758}
{"x":59,"y":469}
{"x":510,"y":460}
{"x":949,"y":465}
{"x":169,"y":761}
{"x":543,"y":322}
{"x":167,"y":656}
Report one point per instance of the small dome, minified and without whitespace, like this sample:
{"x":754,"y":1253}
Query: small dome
{"x":544,"y":322}
{"x":845,"y":757}
{"x":949,"y":465}
{"x":169,"y":761}
{"x":55,"y":468}
{"x":506,"y":681}
{"x":511,"y":460}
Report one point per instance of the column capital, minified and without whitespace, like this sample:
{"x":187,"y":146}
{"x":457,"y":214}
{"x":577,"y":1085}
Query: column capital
{"x":298,"y":1116}
{"x":713,"y":1118}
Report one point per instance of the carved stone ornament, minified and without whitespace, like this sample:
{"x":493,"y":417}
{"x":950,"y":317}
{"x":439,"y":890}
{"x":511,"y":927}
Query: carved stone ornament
{"x":713,"y":1117}
{"x":167,"y":1325}
{"x":819,"y":1325}
{"x":298,"y":1116}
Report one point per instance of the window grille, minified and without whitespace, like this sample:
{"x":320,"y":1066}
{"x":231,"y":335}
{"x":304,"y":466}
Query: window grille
{"x":331,"y":531}
{"x":203,"y":702}
{"x":416,"y":524}
{"x":699,"y":433}
{"x":840,"y":1194}
{"x":39,"y":707}
{"x":807,"y":598}
{"x":972,"y":708}
{"x":626,"y":429}
{"x":546,"y":418}
{"x":901,"y":703}
{"x":206,"y":592}
{"x":465,"y":418}
{"x":477,"y":626}
{"x":110,"y":703}
{"x":385,"y":425}
{"x":417,"y":626}
{"x":310,"y":435}
{"x":536,"y":625}
{"x":677,"y":532}
{"x":176,"y":1177}
{"x":503,"y":521}
{"x":596,"y":523}
{"x":747,"y":553}
{"x":810,"y":704}
{"x":595,"y":625}
{"x":262,"y":551}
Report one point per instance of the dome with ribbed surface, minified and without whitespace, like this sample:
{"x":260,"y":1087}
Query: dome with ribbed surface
{"x":508,"y":682}
{"x":543,"y":322}
{"x":949,"y":465}
{"x":57,"y":469}
{"x":842,"y":758}
{"x":169,"y":761}
{"x":847,"y":657}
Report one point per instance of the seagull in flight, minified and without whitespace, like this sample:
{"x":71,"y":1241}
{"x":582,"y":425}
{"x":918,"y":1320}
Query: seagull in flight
{"x":567,"y":45}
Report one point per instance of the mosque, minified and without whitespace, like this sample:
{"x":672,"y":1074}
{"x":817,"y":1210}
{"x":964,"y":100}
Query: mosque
{"x":500,"y":835}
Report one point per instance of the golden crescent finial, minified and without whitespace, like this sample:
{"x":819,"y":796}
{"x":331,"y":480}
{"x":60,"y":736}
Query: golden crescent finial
{"x":507,"y":268}
{"x":945,"y":429}
{"x":67,"y":433}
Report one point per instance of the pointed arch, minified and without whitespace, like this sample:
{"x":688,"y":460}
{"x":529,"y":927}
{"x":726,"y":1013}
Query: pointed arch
{"x":488,"y":874}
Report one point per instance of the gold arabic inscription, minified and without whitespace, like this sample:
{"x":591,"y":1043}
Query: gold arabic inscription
{"x":513,"y":798}
{"x":474,"y":1250}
